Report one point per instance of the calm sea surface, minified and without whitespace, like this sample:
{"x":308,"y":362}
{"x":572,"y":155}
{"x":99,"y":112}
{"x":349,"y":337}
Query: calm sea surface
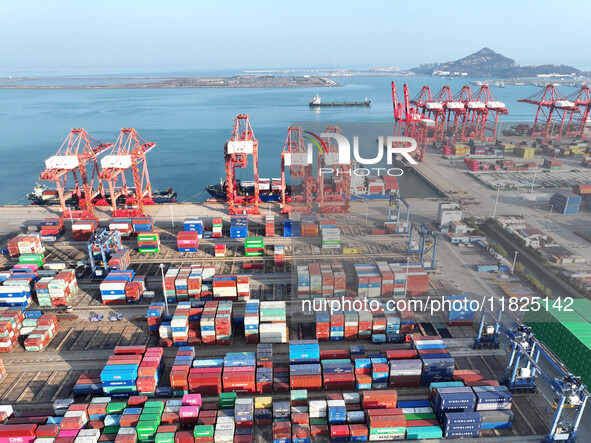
{"x":190,"y":126}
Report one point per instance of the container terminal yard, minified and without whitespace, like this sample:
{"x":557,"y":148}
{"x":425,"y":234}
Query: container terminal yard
{"x":188,"y":322}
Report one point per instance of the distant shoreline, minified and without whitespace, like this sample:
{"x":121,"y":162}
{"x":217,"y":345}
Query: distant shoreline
{"x":239,"y":81}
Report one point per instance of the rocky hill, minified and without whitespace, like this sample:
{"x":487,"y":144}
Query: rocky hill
{"x":488,"y":63}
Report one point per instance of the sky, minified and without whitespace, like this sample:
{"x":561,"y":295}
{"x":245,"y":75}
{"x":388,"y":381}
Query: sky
{"x":82,"y":36}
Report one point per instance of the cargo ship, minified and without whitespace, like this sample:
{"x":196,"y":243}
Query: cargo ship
{"x":269,"y":189}
{"x":370,"y":188}
{"x":316,"y":102}
{"x":45,"y":196}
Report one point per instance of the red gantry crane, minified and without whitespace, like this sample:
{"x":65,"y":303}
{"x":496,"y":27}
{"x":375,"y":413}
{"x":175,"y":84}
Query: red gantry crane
{"x":409,"y":122}
{"x":242,"y":144}
{"x":334,"y":189}
{"x":433,"y":108}
{"x":554,"y":111}
{"x":455,"y":111}
{"x":129,"y":152}
{"x":579,"y":124}
{"x":486,"y":129}
{"x":78,"y":150}
{"x":298,"y":196}
{"x":475,"y":111}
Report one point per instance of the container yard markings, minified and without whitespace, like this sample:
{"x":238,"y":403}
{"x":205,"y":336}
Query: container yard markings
{"x":28,"y":387}
{"x":65,"y":382}
{"x":522,"y":415}
{"x":48,"y":383}
{"x":6,"y":394}
{"x":61,"y":343}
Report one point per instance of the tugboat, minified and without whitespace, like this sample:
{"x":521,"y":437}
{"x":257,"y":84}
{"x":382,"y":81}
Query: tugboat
{"x":316,"y":102}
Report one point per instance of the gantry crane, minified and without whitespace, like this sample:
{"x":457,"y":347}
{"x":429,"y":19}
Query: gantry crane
{"x":242,"y":144}
{"x":524,"y":366}
{"x":128,"y":152}
{"x":475,"y":111}
{"x":72,"y":158}
{"x":579,"y":124}
{"x":553,"y":114}
{"x":298,"y":196}
{"x":427,"y":245}
{"x":409,"y":122}
{"x":455,"y":111}
{"x":434,"y":109}
{"x":334,"y":189}
{"x":489,"y":118}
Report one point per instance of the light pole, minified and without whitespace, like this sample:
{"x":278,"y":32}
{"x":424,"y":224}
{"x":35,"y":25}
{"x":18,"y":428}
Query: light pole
{"x":496,"y":201}
{"x":70,"y":212}
{"x":171,"y":217}
{"x":551,"y":208}
{"x":514,"y":261}
{"x":164,"y":288}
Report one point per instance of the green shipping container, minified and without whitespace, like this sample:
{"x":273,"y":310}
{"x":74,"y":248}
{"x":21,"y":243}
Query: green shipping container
{"x":166,"y":437}
{"x":423,"y":432}
{"x":203,"y":431}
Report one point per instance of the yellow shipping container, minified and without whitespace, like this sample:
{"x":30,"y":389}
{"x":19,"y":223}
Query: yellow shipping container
{"x":525,"y":152}
{"x":263,"y":402}
{"x":508,"y":147}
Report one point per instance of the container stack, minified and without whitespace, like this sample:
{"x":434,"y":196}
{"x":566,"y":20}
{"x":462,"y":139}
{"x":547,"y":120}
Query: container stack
{"x":305,"y":370}
{"x":238,"y":227}
{"x":331,"y":237}
{"x":180,"y":324}
{"x":583,"y":190}
{"x":472,"y":164}
{"x":309,"y":226}
{"x":84,"y":229}
{"x":566,"y":333}
{"x":254,"y":247}
{"x":123,"y":225}
{"x":112,"y":288}
{"x":459,"y":312}
{"x":52,"y":229}
{"x":552,"y":164}
{"x":119,"y":260}
{"x":239,"y":372}
{"x":273,"y":322}
{"x":44,"y":331}
{"x":148,"y":242}
{"x":438,"y":364}
{"x":150,"y":371}
{"x":219,"y":250}
{"x":119,"y":376}
{"x":269,"y":226}
{"x":367,"y":281}
{"x":187,"y":241}
{"x":278,"y":255}
{"x":142,"y":224}
{"x":154,"y":317}
{"x":205,"y":377}
{"x":231,"y":287}
{"x":291,"y":228}
{"x":179,"y":372}
{"x":217,"y":227}
{"x":10,"y":327}
{"x":194,"y":225}
{"x":135,"y":289}
{"x":446,"y":150}
{"x":251,"y":321}
{"x":37,"y":259}
{"x":462,"y":424}
{"x":16,"y":290}
{"x":25,"y":244}
{"x":566,"y":202}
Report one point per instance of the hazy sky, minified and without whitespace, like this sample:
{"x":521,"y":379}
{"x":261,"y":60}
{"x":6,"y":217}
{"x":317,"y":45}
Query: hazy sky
{"x":174,"y":35}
